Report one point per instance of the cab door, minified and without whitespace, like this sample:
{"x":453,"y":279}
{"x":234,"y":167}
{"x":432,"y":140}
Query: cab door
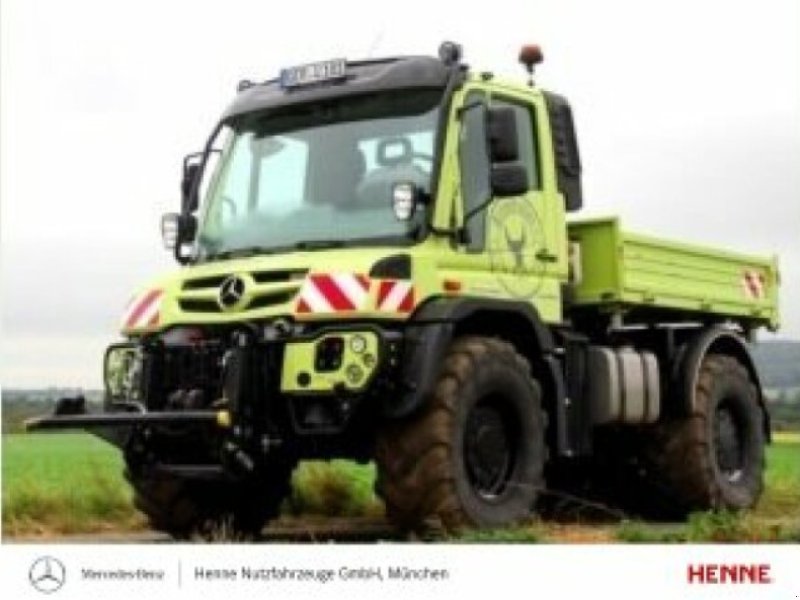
{"x":525,"y":233}
{"x":513,"y":245}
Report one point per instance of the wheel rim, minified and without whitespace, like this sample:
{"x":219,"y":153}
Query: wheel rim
{"x":489,"y":449}
{"x":729,"y":442}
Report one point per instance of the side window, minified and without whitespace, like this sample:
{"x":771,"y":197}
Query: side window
{"x":474,"y":166}
{"x":526,"y":134}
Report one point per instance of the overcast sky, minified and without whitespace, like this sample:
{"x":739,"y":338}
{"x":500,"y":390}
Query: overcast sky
{"x":688,"y":115}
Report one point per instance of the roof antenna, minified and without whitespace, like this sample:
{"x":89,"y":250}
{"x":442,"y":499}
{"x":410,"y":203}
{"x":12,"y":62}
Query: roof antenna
{"x":530,"y":55}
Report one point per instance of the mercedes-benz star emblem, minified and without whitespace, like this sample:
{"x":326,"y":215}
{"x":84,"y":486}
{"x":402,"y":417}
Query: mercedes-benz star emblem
{"x":231,"y":291}
{"x":47,"y":574}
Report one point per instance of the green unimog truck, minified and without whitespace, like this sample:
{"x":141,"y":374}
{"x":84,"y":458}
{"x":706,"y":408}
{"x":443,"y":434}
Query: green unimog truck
{"x":377,"y":264}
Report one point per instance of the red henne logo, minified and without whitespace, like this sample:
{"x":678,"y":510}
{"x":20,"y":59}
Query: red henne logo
{"x":716,"y":573}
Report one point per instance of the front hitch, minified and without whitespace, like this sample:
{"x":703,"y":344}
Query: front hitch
{"x":71,"y":413}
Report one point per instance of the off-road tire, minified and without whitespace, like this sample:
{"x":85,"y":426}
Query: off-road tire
{"x":426,"y":467}
{"x":687,"y":453}
{"x":185,"y":507}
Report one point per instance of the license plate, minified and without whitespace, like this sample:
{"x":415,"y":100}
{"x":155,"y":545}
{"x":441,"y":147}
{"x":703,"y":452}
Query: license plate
{"x":329,"y":70}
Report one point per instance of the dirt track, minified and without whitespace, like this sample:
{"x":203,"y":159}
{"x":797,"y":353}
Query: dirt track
{"x":322,"y":530}
{"x":287,"y":530}
{"x":342,"y":530}
{"x":376,"y":530}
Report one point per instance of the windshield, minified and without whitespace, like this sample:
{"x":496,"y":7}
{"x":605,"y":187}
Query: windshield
{"x":321,"y":174}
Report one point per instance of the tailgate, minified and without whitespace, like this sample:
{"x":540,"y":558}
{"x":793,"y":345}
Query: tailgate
{"x":622,"y":268}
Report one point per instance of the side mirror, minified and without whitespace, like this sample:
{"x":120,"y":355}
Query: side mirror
{"x":189,"y":192}
{"x":501,"y":134}
{"x":508,"y":176}
{"x":405,"y":197}
{"x":509,"y":179}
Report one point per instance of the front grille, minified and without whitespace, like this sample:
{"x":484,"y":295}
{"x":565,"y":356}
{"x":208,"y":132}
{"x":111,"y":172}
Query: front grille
{"x":189,"y":367}
{"x":279,"y":276}
{"x":270,"y":300}
{"x":201,"y":306}
{"x":214,"y":281}
{"x":270,"y":288}
{"x":167,"y":369}
{"x":204,"y":282}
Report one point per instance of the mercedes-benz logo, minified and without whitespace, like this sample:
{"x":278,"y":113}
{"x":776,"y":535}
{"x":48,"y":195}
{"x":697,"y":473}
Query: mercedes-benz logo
{"x":47,"y":574}
{"x":231,"y":291}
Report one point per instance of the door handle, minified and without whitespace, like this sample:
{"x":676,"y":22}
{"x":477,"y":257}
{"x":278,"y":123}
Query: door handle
{"x":544,"y":255}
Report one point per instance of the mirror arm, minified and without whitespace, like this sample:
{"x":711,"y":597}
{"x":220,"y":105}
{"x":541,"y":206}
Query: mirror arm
{"x":461,"y":234}
{"x":207,"y":151}
{"x":185,"y":213}
{"x":480,"y":208}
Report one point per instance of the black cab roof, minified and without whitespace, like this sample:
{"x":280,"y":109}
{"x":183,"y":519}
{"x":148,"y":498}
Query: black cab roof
{"x":362,"y":77}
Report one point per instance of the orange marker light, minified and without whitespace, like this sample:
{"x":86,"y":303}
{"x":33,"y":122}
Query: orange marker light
{"x":531,"y":54}
{"x":451,"y":286}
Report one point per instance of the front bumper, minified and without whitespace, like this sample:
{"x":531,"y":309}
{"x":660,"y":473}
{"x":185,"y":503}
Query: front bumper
{"x":302,"y":391}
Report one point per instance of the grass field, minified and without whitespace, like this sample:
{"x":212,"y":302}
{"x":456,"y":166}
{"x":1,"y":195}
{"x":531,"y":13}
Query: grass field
{"x":63,"y":483}
{"x":68,"y":483}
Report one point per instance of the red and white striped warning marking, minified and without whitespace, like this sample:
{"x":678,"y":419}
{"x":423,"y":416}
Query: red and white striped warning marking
{"x":754,"y":285}
{"x":143,"y":311}
{"x":331,"y":293}
{"x":396,"y":296}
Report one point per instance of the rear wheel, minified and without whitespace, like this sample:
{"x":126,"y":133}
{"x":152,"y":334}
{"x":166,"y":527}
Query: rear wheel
{"x":185,"y":507}
{"x":714,"y":458}
{"x":474,"y":455}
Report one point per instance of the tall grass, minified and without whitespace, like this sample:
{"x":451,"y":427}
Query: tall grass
{"x":776,"y":518}
{"x":66,"y":483}
{"x":63,"y":483}
{"x":334,"y":488}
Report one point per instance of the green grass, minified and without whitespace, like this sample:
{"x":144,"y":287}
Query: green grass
{"x":334,"y":488}
{"x":72,"y":482}
{"x":783,"y":461}
{"x":775,"y":519}
{"x":713,"y":527}
{"x":524,"y":534}
{"x":781,"y":497}
{"x":62,"y":483}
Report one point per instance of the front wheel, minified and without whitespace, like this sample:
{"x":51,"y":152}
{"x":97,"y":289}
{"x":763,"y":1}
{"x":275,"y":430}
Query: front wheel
{"x":474,"y":455}
{"x":185,"y":507}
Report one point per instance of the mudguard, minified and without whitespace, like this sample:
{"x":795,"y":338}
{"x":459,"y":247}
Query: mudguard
{"x":430,"y":332}
{"x":713,"y":340}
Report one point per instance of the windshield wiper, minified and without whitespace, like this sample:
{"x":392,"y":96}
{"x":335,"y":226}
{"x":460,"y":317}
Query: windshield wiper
{"x":241,"y":252}
{"x":256,"y":250}
{"x":320,"y":244}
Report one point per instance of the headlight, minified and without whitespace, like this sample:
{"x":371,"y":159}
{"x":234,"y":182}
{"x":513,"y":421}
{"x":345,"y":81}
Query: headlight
{"x":121,"y":370}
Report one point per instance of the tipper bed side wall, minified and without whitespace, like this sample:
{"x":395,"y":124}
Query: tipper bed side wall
{"x":625,"y":269}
